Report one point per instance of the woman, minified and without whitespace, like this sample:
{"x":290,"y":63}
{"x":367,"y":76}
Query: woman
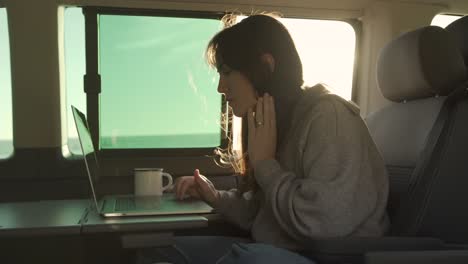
{"x":311,"y":169}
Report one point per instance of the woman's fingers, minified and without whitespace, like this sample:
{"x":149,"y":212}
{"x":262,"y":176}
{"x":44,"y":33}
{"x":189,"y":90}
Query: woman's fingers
{"x":193,"y":192}
{"x":272,"y":112}
{"x":259,"y":112}
{"x":177,"y":186}
{"x":269,"y":112}
{"x":206,"y":189}
{"x":197,"y":186}
{"x":184,"y":186}
{"x":266,"y":111}
{"x":250,"y":126}
{"x":201,"y":181}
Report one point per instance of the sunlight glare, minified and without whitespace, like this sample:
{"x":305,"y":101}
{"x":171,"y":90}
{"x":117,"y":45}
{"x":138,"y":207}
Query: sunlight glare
{"x":326,"y":49}
{"x":444,"y":20}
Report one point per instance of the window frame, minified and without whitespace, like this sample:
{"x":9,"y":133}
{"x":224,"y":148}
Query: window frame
{"x":356,"y":24}
{"x":92,"y":81}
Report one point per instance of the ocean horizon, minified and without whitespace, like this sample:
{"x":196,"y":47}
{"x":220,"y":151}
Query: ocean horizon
{"x":142,"y":142}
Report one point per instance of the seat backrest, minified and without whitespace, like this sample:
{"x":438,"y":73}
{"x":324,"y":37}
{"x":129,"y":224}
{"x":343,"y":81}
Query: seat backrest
{"x":459,"y":31}
{"x":416,"y":71}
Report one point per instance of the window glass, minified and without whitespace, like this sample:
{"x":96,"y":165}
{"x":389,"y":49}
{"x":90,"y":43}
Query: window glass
{"x":75,"y":68}
{"x":326,"y":49}
{"x":156,"y":89}
{"x":327,"y":52}
{"x":6,"y":131}
{"x":444,"y":20}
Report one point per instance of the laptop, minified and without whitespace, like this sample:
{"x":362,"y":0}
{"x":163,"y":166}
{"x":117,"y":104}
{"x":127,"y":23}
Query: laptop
{"x":128,"y":205}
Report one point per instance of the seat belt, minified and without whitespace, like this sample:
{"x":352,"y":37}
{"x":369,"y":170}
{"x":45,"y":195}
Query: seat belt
{"x":434,"y":139}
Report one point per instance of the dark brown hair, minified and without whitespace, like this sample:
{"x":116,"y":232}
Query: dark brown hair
{"x":241,"y":46}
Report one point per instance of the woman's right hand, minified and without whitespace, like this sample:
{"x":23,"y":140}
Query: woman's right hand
{"x":197,"y":186}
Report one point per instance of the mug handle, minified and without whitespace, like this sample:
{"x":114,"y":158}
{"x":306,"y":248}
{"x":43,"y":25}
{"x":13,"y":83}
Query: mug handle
{"x":169,"y":184}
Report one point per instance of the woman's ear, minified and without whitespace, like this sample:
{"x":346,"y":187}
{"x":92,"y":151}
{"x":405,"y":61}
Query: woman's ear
{"x":268,"y":59}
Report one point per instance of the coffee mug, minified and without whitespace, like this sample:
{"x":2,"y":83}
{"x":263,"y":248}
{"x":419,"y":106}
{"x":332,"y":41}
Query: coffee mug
{"x":149,"y":181}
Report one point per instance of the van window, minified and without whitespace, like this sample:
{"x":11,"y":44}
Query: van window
{"x":6,"y":110}
{"x":156,"y":89}
{"x":326,"y":49}
{"x":158,"y":93}
{"x":74,"y":53}
{"x":443,"y":20}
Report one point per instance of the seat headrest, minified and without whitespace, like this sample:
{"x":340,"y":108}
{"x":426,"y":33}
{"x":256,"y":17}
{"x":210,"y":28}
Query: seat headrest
{"x":459,"y":30}
{"x":420,"y":64}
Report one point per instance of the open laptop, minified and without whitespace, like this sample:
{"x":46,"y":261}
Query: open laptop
{"x":128,"y":205}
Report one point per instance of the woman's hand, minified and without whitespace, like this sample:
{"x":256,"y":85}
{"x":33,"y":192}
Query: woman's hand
{"x":262,"y":131}
{"x":197,"y":186}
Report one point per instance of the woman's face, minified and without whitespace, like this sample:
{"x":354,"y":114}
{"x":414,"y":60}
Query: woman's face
{"x":238,"y":90}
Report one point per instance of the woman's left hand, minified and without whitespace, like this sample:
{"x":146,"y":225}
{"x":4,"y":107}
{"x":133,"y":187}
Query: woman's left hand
{"x":262,"y":130}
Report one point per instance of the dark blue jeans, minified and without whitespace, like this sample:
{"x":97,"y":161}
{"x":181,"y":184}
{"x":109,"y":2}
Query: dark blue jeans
{"x":220,"y":250}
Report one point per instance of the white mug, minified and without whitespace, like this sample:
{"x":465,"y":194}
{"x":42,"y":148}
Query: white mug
{"x":149,"y":181}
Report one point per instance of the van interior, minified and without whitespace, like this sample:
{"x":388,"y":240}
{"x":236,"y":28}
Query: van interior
{"x":136,"y":69}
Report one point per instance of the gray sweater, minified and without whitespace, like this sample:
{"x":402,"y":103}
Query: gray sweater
{"x":328,"y":179}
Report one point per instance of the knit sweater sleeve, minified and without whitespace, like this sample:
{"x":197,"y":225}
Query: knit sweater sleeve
{"x":238,"y":209}
{"x":335,"y":193}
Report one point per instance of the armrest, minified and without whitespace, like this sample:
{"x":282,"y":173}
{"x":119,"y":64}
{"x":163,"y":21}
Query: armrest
{"x":418,"y":257}
{"x":361,"y":245}
{"x":353,"y":249}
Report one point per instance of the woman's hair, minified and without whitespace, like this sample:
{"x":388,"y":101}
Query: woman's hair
{"x":241,"y":47}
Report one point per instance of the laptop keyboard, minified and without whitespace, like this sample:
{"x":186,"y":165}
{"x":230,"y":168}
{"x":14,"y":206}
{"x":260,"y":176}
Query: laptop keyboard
{"x":125,"y":204}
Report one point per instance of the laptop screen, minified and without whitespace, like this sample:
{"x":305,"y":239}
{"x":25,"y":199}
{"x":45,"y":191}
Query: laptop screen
{"x":87,"y":148}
